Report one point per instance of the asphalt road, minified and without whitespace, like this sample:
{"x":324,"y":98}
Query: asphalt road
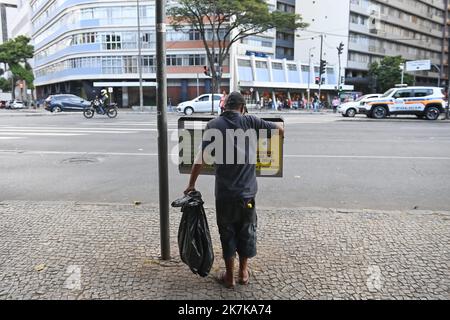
{"x":357,"y":164}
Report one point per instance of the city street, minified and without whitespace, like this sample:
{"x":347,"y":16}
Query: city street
{"x":330,"y":162}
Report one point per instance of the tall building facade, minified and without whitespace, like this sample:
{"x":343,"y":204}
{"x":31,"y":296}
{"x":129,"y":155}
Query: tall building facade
{"x":21,"y":24}
{"x":8,"y":10}
{"x":373,"y":29}
{"x":285,"y":39}
{"x":82,"y":45}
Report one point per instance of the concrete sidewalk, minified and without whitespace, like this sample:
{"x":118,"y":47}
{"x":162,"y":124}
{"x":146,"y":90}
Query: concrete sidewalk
{"x":66,"y":250}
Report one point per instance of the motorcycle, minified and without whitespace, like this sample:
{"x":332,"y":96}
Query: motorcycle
{"x":110,"y":110}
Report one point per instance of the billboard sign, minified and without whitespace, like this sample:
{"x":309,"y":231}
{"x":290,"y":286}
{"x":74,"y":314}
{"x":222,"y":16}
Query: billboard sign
{"x":418,"y":65}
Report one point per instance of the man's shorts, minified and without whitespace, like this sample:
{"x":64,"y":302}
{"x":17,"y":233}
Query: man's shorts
{"x":237,"y":222}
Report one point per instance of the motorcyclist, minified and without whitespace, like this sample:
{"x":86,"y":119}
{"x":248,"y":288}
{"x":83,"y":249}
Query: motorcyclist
{"x":103,"y":98}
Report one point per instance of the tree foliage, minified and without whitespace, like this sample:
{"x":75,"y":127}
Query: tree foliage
{"x":15,"y":53}
{"x":387,"y":73}
{"x":5,"y":85}
{"x":238,"y":18}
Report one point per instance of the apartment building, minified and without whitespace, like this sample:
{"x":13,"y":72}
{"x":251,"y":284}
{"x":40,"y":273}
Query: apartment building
{"x":373,"y":29}
{"x":82,"y":45}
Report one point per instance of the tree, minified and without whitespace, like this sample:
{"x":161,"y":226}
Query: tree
{"x":229,"y":21}
{"x":5,"y":85}
{"x":387,"y":73}
{"x":15,"y":53}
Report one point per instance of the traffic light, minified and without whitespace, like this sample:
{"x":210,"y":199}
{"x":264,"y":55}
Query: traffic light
{"x":340,"y":48}
{"x":317,"y":80}
{"x":206,"y":71}
{"x":323,"y":65}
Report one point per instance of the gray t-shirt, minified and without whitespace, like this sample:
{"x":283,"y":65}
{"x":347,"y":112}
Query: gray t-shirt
{"x":236,"y":181}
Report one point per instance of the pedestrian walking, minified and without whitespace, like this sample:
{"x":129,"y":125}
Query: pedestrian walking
{"x":316,"y":102}
{"x":336,"y":102}
{"x":236,"y":187}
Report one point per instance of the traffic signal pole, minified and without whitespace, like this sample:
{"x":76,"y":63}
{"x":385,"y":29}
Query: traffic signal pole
{"x":163,"y":157}
{"x":320,"y":72}
{"x":340,"y":51}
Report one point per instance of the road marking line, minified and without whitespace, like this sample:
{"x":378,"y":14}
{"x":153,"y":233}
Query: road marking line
{"x":42,"y":134}
{"x":8,"y":131}
{"x":286,"y":156}
{"x":87,"y":130}
{"x":366,"y":157}
{"x":10,"y":138}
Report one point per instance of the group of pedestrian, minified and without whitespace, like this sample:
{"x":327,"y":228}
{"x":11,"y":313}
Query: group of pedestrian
{"x":282,"y":103}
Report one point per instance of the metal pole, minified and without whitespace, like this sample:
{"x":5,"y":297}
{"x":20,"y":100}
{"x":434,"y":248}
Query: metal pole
{"x":141,"y":88}
{"x":447,"y":113}
{"x":403,"y":72}
{"x":320,"y":75}
{"x":163,"y":161}
{"x":198,"y":84}
{"x":309,"y":78}
{"x":339,"y":80}
{"x":213,"y":67}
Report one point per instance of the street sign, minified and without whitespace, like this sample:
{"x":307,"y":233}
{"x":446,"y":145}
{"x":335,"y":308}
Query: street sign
{"x":190,"y":132}
{"x":418,"y":65}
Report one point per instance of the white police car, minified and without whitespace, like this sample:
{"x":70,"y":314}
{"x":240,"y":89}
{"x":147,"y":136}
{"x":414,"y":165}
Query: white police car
{"x":423,"y":102}
{"x":350,"y":109}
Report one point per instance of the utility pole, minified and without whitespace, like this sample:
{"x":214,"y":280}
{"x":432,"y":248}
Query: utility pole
{"x":163,"y":161}
{"x":141,"y":88}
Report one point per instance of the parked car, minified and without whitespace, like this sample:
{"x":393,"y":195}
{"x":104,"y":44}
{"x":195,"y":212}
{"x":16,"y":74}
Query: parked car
{"x":15,"y":104}
{"x":65,"y":102}
{"x":200,"y":104}
{"x":351,"y":109}
{"x":423,"y":102}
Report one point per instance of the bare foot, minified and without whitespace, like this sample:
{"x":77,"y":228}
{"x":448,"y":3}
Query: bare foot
{"x":225,"y":280}
{"x":244,"y":277}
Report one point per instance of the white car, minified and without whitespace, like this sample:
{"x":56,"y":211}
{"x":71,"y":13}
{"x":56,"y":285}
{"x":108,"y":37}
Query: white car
{"x":15,"y":105}
{"x":350,"y":109}
{"x":423,"y":102}
{"x":200,"y":104}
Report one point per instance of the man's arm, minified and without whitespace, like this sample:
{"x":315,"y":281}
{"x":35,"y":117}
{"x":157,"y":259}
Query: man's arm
{"x":195,"y":172}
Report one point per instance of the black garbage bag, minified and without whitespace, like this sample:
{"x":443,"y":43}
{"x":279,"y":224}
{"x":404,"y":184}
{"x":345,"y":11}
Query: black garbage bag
{"x":194,"y":238}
